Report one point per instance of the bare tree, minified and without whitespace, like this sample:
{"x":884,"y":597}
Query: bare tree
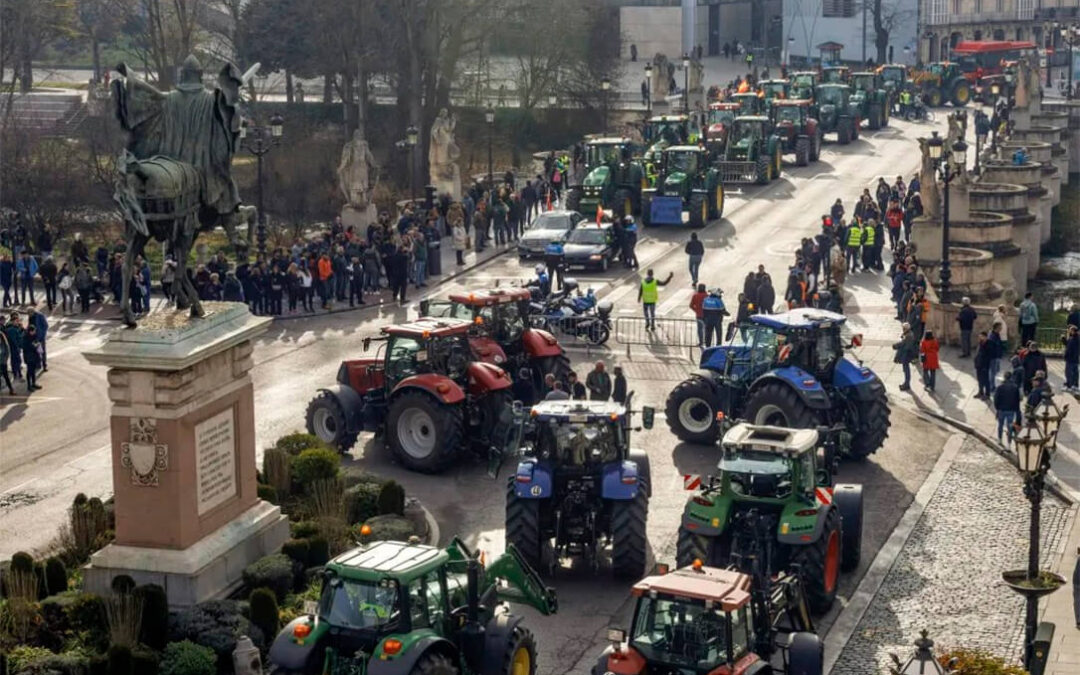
{"x":163,"y":33}
{"x":27,"y":27}
{"x":887,"y":16}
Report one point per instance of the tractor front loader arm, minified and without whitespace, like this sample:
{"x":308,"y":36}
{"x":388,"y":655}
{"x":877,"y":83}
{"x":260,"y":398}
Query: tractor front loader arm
{"x":514,"y":580}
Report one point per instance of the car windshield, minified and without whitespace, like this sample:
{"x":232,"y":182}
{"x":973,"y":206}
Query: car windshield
{"x":681,"y":632}
{"x":358,"y":604}
{"x":588,"y":236}
{"x":788,"y":113}
{"x":833,"y":95}
{"x":682,"y":161}
{"x":551,"y":221}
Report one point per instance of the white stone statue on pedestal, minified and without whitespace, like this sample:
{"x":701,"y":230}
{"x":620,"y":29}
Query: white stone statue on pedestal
{"x":443,"y":155}
{"x":661,"y":77}
{"x":928,"y":190}
{"x":355,"y":173}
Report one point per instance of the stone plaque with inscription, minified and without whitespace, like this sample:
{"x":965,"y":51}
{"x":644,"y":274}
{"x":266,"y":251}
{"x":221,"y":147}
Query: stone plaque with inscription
{"x":215,"y":460}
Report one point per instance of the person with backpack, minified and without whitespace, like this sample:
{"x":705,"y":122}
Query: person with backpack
{"x":907,"y":350}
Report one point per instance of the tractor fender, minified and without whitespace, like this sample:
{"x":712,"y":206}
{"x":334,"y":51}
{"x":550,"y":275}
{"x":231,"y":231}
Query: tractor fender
{"x":848,"y":498}
{"x":620,"y":481}
{"x":291,"y":654}
{"x":497,"y":634}
{"x":532,"y":480}
{"x":808,"y":387}
{"x":441,"y":387}
{"x":352,"y":403}
{"x":699,"y":519}
{"x":403,"y":664}
{"x":857,"y":382}
{"x":540,"y":344}
{"x":485,"y":378}
{"x":809,"y":536}
{"x":487,"y":350}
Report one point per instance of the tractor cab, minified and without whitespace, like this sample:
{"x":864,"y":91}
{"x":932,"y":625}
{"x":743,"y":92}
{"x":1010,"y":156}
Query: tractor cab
{"x":750,"y":103}
{"x":721,"y":116}
{"x":773,"y":90}
{"x":836,"y":95}
{"x":866,"y":83}
{"x":770,"y":463}
{"x":664,"y":131}
{"x":836,"y":75}
{"x":804,"y":84}
{"x":747,"y":132}
{"x":427,"y":346}
{"x":580,"y":433}
{"x":790,"y":117}
{"x":607,"y":152}
{"x":893,"y":76}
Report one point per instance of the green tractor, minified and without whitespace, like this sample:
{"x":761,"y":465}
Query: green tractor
{"x":613,"y":179}
{"x":836,"y":112}
{"x":894,"y":77}
{"x":772,"y":90}
{"x":775,"y":500}
{"x":942,"y":82}
{"x":869,"y":96}
{"x":804,"y":84}
{"x":394,"y":608}
{"x":754,"y":154}
{"x":836,"y":75}
{"x":685,"y":182}
{"x":664,"y":131}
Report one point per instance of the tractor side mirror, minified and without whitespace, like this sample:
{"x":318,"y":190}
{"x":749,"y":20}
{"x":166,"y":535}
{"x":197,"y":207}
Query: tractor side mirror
{"x":648,"y":415}
{"x":856,"y":341}
{"x":425,"y":305}
{"x":367,"y":343}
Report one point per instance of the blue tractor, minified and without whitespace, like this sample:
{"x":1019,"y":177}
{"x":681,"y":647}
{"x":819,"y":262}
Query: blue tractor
{"x":787,"y":370}
{"x":580,"y":488}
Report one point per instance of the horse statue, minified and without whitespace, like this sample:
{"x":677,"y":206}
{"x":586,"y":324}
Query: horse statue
{"x":174,"y":177}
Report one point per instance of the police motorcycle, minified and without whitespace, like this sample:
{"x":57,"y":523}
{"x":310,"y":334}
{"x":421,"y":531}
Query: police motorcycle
{"x":573,"y":313}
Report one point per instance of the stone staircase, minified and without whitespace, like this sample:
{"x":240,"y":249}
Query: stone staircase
{"x":52,"y":112}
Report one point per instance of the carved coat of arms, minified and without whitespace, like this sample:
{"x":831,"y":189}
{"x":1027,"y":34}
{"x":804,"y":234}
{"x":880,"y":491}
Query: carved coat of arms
{"x":143,"y":455}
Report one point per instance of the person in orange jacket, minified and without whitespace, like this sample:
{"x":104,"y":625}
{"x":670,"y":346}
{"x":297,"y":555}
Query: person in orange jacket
{"x":928,"y":352}
{"x":325,"y":270}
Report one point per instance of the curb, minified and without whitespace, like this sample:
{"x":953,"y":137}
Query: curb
{"x":433,"y":532}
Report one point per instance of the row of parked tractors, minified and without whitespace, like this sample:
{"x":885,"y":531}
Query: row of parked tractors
{"x":760,"y":546}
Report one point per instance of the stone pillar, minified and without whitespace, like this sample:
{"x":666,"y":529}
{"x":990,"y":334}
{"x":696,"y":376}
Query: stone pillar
{"x":1012,"y":201}
{"x":1072,"y":142}
{"x":183,"y":450}
{"x":1030,"y":176}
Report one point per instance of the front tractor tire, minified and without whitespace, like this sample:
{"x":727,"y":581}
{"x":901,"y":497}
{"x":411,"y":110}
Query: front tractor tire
{"x":424,"y":434}
{"x":716,"y":202}
{"x":777,"y":404}
{"x":873,"y":427}
{"x":802,"y":151}
{"x":699,"y":210}
{"x":326,"y":420}
{"x":819,"y":565}
{"x":691,"y":412}
{"x":434,"y":663}
{"x":573,"y":199}
{"x":763,"y":170}
{"x":844,"y":131}
{"x":628,"y":537}
{"x":519,"y":656}
{"x":523,"y":526}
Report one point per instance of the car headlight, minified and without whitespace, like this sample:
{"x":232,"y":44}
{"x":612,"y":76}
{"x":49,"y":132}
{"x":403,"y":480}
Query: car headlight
{"x":596,"y":257}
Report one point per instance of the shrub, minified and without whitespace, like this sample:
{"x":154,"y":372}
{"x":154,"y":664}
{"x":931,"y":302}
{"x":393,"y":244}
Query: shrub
{"x":305,"y":529}
{"x":390,"y":528}
{"x":144,"y":661}
{"x":56,"y":611}
{"x":67,"y":663}
{"x":187,"y":658}
{"x":315,"y":464}
{"x":55,"y":576}
{"x":214,"y":624}
{"x":277,"y":470}
{"x":89,"y":523}
{"x":155,"y":616}
{"x":975,"y":662}
{"x":267,"y":493}
{"x":361,"y":502}
{"x":318,"y":551}
{"x":274,"y":572}
{"x":24,"y":656}
{"x":297,"y":550}
{"x":122,"y":583}
{"x":392,"y":499}
{"x":86,"y":615}
{"x":124,"y":612}
{"x":22,"y":562}
{"x":264,"y":611}
{"x":294,"y":444}
{"x":120,"y":661}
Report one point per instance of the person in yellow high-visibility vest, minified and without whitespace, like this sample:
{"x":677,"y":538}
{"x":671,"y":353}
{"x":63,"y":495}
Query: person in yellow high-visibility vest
{"x":868,"y":244}
{"x":649,"y":294}
{"x":854,"y":241}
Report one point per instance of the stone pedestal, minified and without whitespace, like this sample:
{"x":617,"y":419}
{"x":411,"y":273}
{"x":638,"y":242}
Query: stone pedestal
{"x":358,"y":219}
{"x":183,"y":450}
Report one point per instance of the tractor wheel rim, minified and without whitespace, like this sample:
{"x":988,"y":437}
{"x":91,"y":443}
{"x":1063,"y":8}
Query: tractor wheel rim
{"x":719,"y":198}
{"x":704,"y":211}
{"x":416,"y":433}
{"x":771,"y":414}
{"x":832,"y":561}
{"x":627,"y":206}
{"x":521,"y":664}
{"x":324,"y":424}
{"x":695,"y":415}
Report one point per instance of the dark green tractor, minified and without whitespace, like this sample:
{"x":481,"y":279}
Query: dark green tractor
{"x":686,"y":182}
{"x":750,"y":103}
{"x":870,"y":98}
{"x":613,"y":180}
{"x":754,"y":154}
{"x":942,"y":82}
{"x":775,"y":501}
{"x":804,"y":84}
{"x":894,"y":77}
{"x":663,"y":131}
{"x":394,"y":608}
{"x":836,"y":75}
{"x":836,"y":114}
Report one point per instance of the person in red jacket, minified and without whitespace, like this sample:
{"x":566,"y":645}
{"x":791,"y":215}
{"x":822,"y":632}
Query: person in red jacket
{"x":928,"y":352}
{"x":895,"y":217}
{"x":697,"y":303}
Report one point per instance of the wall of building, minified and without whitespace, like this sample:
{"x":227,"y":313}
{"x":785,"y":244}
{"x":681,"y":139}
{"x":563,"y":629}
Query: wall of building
{"x":652,"y":29}
{"x":803,"y":21}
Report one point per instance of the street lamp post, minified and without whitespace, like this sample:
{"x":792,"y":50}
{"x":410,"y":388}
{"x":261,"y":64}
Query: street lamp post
{"x":686,"y":82}
{"x":648,"y":90}
{"x":605,"y":87}
{"x":489,"y":118}
{"x":1071,"y":35}
{"x":412,"y":136}
{"x":949,"y":165}
{"x":923,"y":661}
{"x":1049,"y":48}
{"x":259,"y":140}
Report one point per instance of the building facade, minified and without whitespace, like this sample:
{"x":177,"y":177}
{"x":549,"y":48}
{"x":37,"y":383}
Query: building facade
{"x":809,"y":23}
{"x":943,"y":23}
{"x":656,"y":26}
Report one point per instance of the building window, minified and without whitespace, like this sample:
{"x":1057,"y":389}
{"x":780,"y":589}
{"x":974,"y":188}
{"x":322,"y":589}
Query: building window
{"x":956,"y":6}
{"x":978,"y":8}
{"x":1001,"y":5}
{"x":837,"y":8}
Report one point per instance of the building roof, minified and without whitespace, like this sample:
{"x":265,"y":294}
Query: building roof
{"x":804,"y":317}
{"x":731,"y":589}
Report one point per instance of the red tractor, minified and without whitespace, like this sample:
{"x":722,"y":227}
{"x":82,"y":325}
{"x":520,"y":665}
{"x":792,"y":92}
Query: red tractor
{"x":501,"y":333}
{"x":794,"y":123}
{"x":423,"y":391}
{"x":721,"y":116}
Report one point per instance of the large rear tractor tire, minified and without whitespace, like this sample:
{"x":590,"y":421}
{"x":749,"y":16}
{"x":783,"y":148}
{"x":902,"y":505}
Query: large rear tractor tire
{"x":691,"y":411}
{"x":815,"y":153}
{"x":628,"y":537}
{"x":699,"y":210}
{"x":875,"y":117}
{"x":961,"y":93}
{"x":519,"y":658}
{"x":777,"y":404}
{"x":422,"y":433}
{"x":843,"y":131}
{"x":778,"y":162}
{"x":713,"y":551}
{"x":573,"y":199}
{"x":933,"y":97}
{"x":802,"y":151}
{"x":819,"y":565}
{"x":434,"y":663}
{"x":806,"y":656}
{"x":849,"y":501}
{"x":523,"y":526}
{"x":559,"y":366}
{"x":763,"y":170}
{"x":326,"y":420}
{"x":873,"y":428}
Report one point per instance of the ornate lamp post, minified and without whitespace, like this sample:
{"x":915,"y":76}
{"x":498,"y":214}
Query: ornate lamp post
{"x":605,"y":87}
{"x":949,"y":163}
{"x":923,"y":661}
{"x":1070,"y":34}
{"x":686,"y":82}
{"x":648,"y":90}
{"x":489,"y":118}
{"x":259,"y":140}
{"x":412,"y":136}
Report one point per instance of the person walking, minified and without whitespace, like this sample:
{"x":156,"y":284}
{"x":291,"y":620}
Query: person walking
{"x":695,"y":251}
{"x":7,"y":278}
{"x":619,"y":386}
{"x":37,"y":321}
{"x":397,"y":273}
{"x":982,"y":366}
{"x":26,"y":268}
{"x":928,"y":355}
{"x":1007,"y":406}
{"x":995,"y":352}
{"x":48,"y":273}
{"x":907,"y":349}
{"x":15,"y":334}
{"x":1029,"y":319}
{"x":598,"y":382}
{"x":1071,"y":340}
{"x":33,"y":354}
{"x":1032,"y":362}
{"x":65,"y":281}
{"x":325,"y":272}
{"x":697,"y":302}
{"x":84,"y":286}
{"x":5,"y":356}
{"x":966,"y":318}
{"x":649,"y":295}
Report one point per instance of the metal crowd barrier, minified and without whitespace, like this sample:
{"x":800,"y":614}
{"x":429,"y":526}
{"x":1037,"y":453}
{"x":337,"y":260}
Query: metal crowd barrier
{"x":669,"y":333}
{"x":1049,"y":340}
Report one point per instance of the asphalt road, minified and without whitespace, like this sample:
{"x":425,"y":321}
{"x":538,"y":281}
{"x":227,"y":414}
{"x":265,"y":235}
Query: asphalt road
{"x":57,"y":444}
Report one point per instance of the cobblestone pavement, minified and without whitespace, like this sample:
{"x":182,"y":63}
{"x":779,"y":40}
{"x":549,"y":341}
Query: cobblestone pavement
{"x":947,"y":576}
